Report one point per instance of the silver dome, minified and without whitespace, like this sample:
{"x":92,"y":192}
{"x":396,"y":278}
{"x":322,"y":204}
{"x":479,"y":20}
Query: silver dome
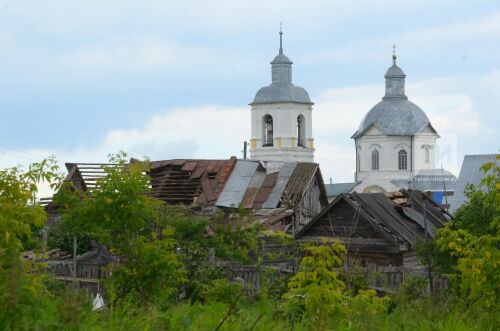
{"x":395,"y":71}
{"x":281,"y":58}
{"x":281,"y":89}
{"x":395,"y":116}
{"x":281,"y":93}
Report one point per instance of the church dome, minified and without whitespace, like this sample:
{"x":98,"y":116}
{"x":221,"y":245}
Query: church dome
{"x":395,"y":115}
{"x":394,"y":71}
{"x":281,"y":58}
{"x":281,"y":89}
{"x":275,"y":93}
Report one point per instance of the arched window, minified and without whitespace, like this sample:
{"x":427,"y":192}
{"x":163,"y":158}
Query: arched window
{"x":267,"y":130}
{"x":375,"y":159}
{"x":301,"y":131}
{"x":402,"y":160}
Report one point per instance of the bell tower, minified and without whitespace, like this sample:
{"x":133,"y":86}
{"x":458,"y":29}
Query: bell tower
{"x":282,"y":117}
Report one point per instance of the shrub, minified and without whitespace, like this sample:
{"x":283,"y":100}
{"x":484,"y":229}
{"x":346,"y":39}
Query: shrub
{"x":222,"y":290}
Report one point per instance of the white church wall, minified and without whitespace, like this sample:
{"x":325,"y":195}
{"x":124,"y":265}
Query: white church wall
{"x":423,"y":142}
{"x":388,"y":147}
{"x":284,"y":132}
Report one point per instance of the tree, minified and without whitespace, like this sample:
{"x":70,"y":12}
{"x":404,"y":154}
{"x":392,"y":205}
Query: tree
{"x":316,"y":292}
{"x":23,"y":295}
{"x":120,"y":214}
{"x":318,"y":296}
{"x":472,"y":242}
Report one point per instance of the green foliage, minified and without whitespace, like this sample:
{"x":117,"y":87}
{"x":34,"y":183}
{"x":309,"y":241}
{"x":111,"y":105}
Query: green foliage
{"x":472,"y":243}
{"x":120,"y":214}
{"x":192,"y":248}
{"x":165,"y":280}
{"x":412,"y":288}
{"x":151,"y":273}
{"x":235,"y":239}
{"x":24,"y":300}
{"x":316,"y":291}
{"x":481,"y":214}
{"x":222,"y":290}
{"x":355,"y":279}
{"x":118,"y":210}
{"x":318,"y":297}
{"x":20,"y":214}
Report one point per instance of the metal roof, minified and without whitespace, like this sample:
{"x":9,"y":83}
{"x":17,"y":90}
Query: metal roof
{"x":469,"y":174}
{"x":433,"y":180}
{"x":281,"y":89}
{"x":281,"y":182}
{"x":237,"y":184}
{"x":335,"y":189}
{"x":251,"y":186}
{"x":395,"y":115}
{"x":190,"y":182}
{"x":276,"y":93}
{"x":394,"y":71}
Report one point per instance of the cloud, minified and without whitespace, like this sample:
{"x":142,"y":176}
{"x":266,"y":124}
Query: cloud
{"x":486,"y":27}
{"x":202,"y":132}
{"x":219,"y":132}
{"x":143,"y":53}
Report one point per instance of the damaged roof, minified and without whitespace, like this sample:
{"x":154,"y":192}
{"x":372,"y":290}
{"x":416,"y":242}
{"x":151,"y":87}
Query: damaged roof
{"x":190,"y":182}
{"x":229,"y":183}
{"x":397,"y":216}
{"x":251,"y":186}
{"x":179,"y":181}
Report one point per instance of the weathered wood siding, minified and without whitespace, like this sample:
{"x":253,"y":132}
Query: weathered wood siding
{"x":364,"y":244}
{"x":310,"y":205}
{"x":411,"y":260}
{"x":342,"y":221}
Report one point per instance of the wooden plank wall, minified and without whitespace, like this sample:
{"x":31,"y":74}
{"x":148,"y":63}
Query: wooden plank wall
{"x":310,"y":204}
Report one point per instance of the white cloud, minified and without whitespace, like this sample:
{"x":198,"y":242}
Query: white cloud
{"x":203,"y":132}
{"x":485,"y":27}
{"x":219,"y":132}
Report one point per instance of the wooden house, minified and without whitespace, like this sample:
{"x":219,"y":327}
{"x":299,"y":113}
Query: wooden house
{"x":379,"y":228}
{"x":281,"y":195}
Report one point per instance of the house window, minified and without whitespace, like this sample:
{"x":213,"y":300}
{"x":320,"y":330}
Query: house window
{"x":267,"y":130}
{"x":402,"y":160}
{"x":375,"y":159}
{"x":301,"y":125}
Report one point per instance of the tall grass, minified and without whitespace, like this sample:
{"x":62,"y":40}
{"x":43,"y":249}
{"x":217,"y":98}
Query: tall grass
{"x":426,"y":314}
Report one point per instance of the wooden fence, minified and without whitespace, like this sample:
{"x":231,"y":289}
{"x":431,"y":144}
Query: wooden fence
{"x":85,"y":270}
{"x":381,"y":278}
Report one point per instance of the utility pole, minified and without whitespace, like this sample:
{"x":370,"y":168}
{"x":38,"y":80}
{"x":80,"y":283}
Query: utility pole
{"x":245,"y":147}
{"x":74,"y":256}
{"x":427,"y":257}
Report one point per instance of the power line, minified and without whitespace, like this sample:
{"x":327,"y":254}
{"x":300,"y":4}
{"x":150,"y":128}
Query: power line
{"x":24,"y":154}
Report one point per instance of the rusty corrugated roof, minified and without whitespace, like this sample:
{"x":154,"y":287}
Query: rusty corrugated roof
{"x":189,"y":182}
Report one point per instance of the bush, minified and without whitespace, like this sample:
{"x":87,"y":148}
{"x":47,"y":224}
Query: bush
{"x":222,"y":290}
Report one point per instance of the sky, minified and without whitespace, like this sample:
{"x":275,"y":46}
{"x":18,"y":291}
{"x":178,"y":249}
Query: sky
{"x":173,"y":79}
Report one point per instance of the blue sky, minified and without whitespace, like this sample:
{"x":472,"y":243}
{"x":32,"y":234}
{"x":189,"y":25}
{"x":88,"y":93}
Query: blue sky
{"x":173,"y":79}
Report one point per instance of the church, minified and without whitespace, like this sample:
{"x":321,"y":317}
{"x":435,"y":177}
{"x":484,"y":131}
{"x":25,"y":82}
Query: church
{"x":395,"y":142}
